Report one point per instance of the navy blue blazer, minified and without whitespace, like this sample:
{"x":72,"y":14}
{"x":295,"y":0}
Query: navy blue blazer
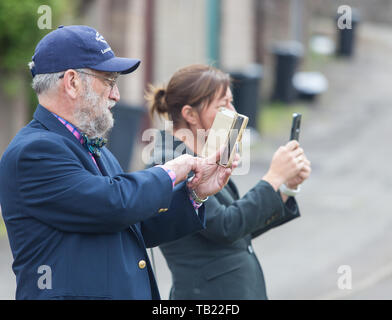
{"x":87,"y":229}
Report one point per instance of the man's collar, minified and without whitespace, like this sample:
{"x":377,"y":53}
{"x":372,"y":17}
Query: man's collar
{"x":49,"y":121}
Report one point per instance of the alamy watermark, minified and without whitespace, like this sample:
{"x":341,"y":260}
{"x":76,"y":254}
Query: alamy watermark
{"x":45,"y":20}
{"x":346,"y":279}
{"x":345,"y":17}
{"x":152,"y":154}
{"x":44,"y":281}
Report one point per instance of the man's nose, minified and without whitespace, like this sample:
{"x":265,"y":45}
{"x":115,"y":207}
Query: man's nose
{"x":115,"y":94}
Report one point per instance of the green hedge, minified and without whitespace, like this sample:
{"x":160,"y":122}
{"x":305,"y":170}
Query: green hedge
{"x":19,"y":34}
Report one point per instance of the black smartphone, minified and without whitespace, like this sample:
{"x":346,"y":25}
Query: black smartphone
{"x":295,"y":126}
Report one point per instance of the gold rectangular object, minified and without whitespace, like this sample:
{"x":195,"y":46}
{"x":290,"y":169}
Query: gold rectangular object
{"x":227,"y":130}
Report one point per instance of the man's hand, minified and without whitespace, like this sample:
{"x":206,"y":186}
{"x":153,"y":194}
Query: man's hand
{"x":181,"y":166}
{"x":210,"y":177}
{"x":286,"y":164}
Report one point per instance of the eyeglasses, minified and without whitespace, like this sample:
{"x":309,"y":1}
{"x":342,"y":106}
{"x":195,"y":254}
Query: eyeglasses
{"x":110,"y":81}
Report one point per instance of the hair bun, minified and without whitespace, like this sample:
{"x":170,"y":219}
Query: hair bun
{"x":160,"y":101}
{"x":160,"y":93}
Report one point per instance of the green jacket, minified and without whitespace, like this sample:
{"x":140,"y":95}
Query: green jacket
{"x":219,"y":262}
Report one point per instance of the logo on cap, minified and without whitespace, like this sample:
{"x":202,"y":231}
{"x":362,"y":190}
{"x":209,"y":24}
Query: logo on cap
{"x":100,"y":38}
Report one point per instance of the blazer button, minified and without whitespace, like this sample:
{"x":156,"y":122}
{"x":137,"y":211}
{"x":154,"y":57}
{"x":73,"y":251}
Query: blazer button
{"x":162,"y":210}
{"x":142,"y":264}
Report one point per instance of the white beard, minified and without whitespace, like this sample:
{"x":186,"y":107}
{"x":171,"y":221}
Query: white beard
{"x":92,"y":114}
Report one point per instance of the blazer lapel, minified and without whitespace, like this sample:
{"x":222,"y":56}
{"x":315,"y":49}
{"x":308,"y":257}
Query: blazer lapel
{"x":46,"y":118}
{"x":49,"y":121}
{"x":101,"y":165}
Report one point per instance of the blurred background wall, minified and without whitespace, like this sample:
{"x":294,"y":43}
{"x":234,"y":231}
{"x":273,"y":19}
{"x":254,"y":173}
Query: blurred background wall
{"x":164,"y":34}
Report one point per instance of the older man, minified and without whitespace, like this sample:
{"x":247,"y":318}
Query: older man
{"x":78,"y":225}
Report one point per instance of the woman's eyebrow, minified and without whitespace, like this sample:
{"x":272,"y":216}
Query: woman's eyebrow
{"x":226,"y":99}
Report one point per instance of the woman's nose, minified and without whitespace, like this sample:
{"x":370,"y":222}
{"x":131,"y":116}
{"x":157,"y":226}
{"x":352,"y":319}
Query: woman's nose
{"x":231,"y":106}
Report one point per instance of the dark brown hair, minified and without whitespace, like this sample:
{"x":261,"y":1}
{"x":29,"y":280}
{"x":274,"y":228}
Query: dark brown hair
{"x":195,"y":85}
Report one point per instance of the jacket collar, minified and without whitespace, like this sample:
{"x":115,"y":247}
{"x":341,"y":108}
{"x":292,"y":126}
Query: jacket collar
{"x":50,"y":122}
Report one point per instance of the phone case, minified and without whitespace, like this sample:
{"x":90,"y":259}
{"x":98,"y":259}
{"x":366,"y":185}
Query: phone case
{"x":227,"y":129}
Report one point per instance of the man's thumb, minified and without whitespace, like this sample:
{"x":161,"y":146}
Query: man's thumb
{"x":213,"y":159}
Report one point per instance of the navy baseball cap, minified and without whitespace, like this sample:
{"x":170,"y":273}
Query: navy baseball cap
{"x":74,"y":47}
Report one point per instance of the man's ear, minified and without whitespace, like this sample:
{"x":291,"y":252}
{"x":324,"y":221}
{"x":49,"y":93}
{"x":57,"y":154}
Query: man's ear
{"x":190,"y":115}
{"x":72,"y":83}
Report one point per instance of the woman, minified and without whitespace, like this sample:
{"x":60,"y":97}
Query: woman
{"x":219,"y":262}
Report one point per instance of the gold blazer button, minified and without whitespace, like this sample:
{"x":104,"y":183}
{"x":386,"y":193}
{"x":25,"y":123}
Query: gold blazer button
{"x":142,"y":264}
